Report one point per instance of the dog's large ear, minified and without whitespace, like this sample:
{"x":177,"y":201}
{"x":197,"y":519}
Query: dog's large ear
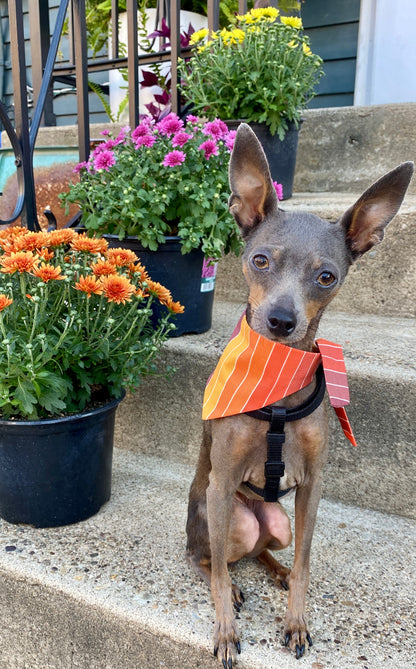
{"x":253,"y":196}
{"x":365,"y":221}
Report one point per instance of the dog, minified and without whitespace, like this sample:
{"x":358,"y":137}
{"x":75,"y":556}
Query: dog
{"x":294,"y":265}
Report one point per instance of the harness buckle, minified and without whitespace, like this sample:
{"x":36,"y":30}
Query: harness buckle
{"x":274,"y":470}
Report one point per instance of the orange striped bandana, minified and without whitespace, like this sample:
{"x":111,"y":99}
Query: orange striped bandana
{"x":254,"y":372}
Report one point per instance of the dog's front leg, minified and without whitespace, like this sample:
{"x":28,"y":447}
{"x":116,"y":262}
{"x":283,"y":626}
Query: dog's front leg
{"x":219,"y":509}
{"x":296,"y":633}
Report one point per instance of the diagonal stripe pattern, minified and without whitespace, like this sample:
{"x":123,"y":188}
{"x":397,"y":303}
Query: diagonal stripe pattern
{"x":254,"y":372}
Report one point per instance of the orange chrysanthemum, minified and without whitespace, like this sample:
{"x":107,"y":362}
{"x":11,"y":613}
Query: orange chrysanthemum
{"x":162,"y":293}
{"x":175,"y":307}
{"x":138,"y":268}
{"x":64,"y":236}
{"x":103,"y":268}
{"x":22,"y":261}
{"x":89,"y":285}
{"x":117,"y":288}
{"x":121,"y":257}
{"x":4,"y":302}
{"x":90,"y":244}
{"x":45,"y":254}
{"x":48,"y":272}
{"x":31,"y":241}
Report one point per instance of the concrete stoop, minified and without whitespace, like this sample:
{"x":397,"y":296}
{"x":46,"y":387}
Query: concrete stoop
{"x":116,"y":590}
{"x":163,"y":418}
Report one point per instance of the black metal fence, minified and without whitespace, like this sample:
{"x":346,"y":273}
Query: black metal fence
{"x":45,"y":70}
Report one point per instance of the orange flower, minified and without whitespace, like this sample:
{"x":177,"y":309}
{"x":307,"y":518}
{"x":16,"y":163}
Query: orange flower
{"x":12,"y":231}
{"x":89,"y":285}
{"x":117,"y":288}
{"x":103,"y":267}
{"x":31,"y":241}
{"x":48,"y":272}
{"x":64,"y":236}
{"x":162,"y":293}
{"x":121,"y":257}
{"x":140,"y":270}
{"x":22,"y":261}
{"x":175,"y":307}
{"x":89,"y":244}
{"x":4,"y":302}
{"x":44,"y":254}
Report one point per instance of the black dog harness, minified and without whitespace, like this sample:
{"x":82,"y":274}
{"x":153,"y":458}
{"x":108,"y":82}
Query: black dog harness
{"x":274,"y":467}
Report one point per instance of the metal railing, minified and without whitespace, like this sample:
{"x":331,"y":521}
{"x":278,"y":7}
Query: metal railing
{"x":45,"y":71}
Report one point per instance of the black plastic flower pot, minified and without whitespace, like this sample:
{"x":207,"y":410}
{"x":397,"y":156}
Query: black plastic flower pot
{"x":189,"y":277}
{"x":281,"y":154}
{"x":57,"y":471}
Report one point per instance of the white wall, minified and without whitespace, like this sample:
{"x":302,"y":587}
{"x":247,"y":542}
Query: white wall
{"x":386,"y":58}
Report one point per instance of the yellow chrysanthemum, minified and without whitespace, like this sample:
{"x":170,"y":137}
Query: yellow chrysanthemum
{"x":293,"y":21}
{"x":198,"y":36}
{"x":306,"y":49}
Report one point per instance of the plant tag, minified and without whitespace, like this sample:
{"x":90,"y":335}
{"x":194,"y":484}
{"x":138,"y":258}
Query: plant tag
{"x":209,"y":272}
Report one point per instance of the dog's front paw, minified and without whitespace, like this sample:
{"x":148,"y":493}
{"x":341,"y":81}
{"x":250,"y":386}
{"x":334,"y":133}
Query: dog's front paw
{"x":296,"y":635}
{"x":226,"y":643}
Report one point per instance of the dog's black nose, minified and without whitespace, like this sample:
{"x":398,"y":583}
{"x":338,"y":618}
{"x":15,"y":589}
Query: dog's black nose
{"x":281,"y":323}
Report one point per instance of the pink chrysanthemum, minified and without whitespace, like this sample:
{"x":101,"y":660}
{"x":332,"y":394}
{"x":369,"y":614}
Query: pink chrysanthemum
{"x":181,"y":138}
{"x":170,"y":124}
{"x":79,"y":167}
{"x":229,"y":139}
{"x":279,"y":190}
{"x":145,"y":140}
{"x":104,"y":160}
{"x":210,"y":148}
{"x":141,"y":130}
{"x":174,"y":158}
{"x":217,"y":129}
{"x":104,"y":132}
{"x":192,"y":119}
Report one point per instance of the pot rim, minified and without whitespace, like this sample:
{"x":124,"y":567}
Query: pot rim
{"x":68,"y":417}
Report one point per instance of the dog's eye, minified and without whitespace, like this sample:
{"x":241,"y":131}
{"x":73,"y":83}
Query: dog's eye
{"x":326,"y":279}
{"x":261,"y":262}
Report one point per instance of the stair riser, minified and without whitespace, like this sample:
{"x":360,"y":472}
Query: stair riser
{"x":164,"y":419}
{"x":381,"y":282}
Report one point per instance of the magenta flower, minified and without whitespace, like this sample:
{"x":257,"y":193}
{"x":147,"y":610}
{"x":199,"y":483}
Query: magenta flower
{"x":192,"y":119}
{"x":181,"y":138}
{"x":174,"y":158}
{"x":217,"y":129}
{"x":170,"y":124}
{"x":210,"y":148}
{"x":79,"y":167}
{"x":104,"y":160}
{"x":229,"y":139}
{"x":279,"y":190}
{"x":145,"y":140}
{"x":142,"y":129}
{"x":104,"y":132}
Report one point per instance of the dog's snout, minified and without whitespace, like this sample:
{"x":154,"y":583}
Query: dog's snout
{"x":281,"y":322}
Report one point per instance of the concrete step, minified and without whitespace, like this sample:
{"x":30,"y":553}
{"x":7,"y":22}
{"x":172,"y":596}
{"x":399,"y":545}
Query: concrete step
{"x":164,"y":418}
{"x":381,"y":282}
{"x":116,"y":591}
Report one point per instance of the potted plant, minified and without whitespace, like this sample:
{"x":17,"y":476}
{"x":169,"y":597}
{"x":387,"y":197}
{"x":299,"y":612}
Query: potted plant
{"x":75,"y":330}
{"x":163,"y":189}
{"x":264,"y":73}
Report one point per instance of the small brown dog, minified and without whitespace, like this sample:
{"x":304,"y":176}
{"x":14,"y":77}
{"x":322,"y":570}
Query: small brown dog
{"x":294,"y":265}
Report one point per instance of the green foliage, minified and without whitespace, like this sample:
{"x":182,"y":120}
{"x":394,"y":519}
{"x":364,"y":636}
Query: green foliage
{"x":263,"y":69}
{"x":70,"y":335}
{"x":128,"y":189}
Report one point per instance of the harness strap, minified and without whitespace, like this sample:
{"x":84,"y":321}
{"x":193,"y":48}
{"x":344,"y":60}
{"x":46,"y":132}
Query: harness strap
{"x":274,"y":467}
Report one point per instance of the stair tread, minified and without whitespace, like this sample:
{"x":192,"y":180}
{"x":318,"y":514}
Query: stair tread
{"x":334,"y":201}
{"x":128,"y":562}
{"x":372,"y":344}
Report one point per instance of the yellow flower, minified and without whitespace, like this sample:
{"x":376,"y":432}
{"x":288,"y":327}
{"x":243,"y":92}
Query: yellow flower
{"x":238,"y":35}
{"x":306,"y":49}
{"x":198,"y":36}
{"x":293,"y":44}
{"x":258,"y":13}
{"x":293,"y":21}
